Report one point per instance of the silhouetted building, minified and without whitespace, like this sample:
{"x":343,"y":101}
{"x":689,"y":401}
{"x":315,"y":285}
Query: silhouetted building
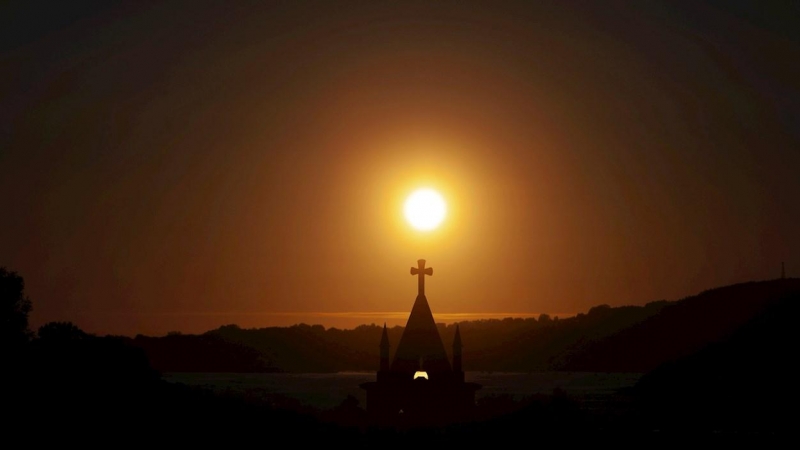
{"x":420,"y":384}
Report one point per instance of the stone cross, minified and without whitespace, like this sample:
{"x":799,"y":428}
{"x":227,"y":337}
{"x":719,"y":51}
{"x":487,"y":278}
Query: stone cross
{"x":421,"y":271}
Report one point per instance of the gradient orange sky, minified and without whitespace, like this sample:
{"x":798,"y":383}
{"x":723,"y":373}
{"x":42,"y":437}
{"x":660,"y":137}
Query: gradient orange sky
{"x":184,"y":165}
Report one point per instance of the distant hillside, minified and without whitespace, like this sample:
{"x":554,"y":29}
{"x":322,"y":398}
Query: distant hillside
{"x":299,"y":348}
{"x":680,"y":329}
{"x":607,"y":339}
{"x":743,"y":383}
{"x":517,"y":345}
{"x":510,"y":344}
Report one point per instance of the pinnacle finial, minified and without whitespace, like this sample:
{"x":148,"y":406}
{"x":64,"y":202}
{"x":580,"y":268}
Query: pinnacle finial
{"x":384,"y":337}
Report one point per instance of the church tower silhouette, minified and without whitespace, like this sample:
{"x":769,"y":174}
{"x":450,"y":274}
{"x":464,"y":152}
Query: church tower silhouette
{"x":420,"y":385}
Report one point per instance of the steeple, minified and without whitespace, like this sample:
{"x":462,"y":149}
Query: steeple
{"x":457,"y":353}
{"x":420,"y":383}
{"x":421,"y":340}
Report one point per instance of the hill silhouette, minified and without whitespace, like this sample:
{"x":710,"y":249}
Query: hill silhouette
{"x":510,"y":344}
{"x":680,"y":329}
{"x":605,"y":339}
{"x":742,"y":382}
{"x":299,"y":348}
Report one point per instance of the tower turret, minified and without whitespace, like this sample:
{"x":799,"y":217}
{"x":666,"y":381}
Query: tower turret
{"x":384,"y":350}
{"x":459,"y":372}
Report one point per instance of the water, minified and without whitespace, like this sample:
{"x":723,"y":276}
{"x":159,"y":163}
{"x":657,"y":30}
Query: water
{"x":328,"y":390}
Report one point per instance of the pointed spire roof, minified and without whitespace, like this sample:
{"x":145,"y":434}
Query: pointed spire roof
{"x":385,"y":337}
{"x":421,"y":343}
{"x":457,"y":339}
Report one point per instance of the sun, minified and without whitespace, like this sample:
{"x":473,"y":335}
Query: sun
{"x":425,"y":209}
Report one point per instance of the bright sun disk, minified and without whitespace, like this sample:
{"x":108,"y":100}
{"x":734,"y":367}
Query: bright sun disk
{"x":425,"y":209}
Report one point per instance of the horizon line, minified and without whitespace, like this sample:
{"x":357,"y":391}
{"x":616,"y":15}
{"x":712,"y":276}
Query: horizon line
{"x":343,"y":314}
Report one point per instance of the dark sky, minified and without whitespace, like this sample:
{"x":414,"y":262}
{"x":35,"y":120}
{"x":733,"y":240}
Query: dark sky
{"x":183,"y":165}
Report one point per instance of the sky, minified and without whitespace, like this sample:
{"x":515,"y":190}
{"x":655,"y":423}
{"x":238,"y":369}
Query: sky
{"x":181,"y":165}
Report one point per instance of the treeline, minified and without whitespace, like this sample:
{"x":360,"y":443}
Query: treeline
{"x":682,"y":329}
{"x":510,"y":344}
{"x":606,"y":339}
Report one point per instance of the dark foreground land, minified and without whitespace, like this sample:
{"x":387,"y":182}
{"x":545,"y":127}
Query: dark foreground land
{"x":142,"y":409}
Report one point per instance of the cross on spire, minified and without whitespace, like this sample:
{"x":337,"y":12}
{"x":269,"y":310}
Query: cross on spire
{"x":421,"y":271}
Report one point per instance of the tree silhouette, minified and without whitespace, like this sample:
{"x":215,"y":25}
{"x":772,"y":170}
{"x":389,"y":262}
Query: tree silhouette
{"x":14,"y":310}
{"x":61,"y":331}
{"x":545,"y":318}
